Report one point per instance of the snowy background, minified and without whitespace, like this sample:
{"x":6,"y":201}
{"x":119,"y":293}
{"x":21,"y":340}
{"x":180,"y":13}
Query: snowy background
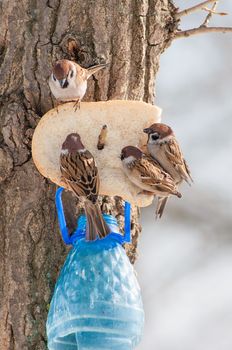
{"x":185,"y":262}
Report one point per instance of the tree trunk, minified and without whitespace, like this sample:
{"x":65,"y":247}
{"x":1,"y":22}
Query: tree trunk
{"x":130,"y":35}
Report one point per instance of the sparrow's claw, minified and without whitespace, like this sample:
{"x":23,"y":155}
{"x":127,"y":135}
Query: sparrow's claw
{"x":77,"y":105}
{"x":57,"y":104}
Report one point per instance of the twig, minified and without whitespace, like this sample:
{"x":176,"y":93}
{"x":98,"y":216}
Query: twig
{"x":202,"y":30}
{"x":204,"y":26}
{"x":215,"y":12}
{"x":210,"y":14}
{"x":190,"y":10}
{"x":102,"y":138}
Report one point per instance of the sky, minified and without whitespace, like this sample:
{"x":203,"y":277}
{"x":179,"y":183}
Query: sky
{"x":185,"y":259}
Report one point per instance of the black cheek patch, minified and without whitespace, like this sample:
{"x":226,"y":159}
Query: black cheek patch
{"x":65,"y":84}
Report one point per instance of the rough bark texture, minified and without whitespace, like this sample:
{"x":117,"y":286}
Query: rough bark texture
{"x":130,"y":35}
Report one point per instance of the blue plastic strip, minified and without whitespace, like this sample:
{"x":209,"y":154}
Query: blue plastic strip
{"x":127,"y":224}
{"x":79,"y":233}
{"x":61,"y":217}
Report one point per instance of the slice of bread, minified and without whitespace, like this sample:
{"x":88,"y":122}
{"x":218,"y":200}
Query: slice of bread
{"x":125,"y":122}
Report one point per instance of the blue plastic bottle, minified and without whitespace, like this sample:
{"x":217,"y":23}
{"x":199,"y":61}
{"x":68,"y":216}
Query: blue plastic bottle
{"x":97,"y":300}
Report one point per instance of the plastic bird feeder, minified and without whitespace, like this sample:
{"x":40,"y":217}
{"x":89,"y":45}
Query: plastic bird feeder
{"x":97,"y":301}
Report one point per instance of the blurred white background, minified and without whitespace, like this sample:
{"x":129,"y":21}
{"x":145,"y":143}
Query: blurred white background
{"x":185,"y":259}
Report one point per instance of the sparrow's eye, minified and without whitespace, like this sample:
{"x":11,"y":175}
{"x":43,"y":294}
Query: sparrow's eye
{"x":155,"y":136}
{"x":72,"y":73}
{"x":54,"y":78}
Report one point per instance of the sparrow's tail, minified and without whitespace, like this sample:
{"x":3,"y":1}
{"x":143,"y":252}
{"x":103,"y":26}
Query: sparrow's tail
{"x":96,"y":226}
{"x":94,"y":69}
{"x":160,"y":206}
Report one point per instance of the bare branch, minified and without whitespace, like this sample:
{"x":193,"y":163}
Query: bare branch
{"x":210,"y":14}
{"x":202,"y":30}
{"x":204,"y":26}
{"x":215,"y":12}
{"x":195,"y":8}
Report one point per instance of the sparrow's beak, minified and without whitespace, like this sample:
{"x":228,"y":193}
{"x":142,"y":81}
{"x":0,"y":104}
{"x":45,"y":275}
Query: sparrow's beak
{"x":63,"y":83}
{"x":147,"y":130}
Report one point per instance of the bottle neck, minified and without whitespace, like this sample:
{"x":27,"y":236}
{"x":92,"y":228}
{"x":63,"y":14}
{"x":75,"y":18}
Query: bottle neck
{"x":109,"y":219}
{"x":115,"y":234}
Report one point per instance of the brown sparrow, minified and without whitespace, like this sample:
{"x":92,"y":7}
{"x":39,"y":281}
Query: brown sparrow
{"x":68,"y":81}
{"x":148,"y":175}
{"x":164,"y":148}
{"x":80,"y":174}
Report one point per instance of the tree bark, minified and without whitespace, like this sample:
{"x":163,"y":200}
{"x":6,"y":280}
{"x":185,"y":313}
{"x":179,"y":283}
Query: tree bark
{"x":130,"y":35}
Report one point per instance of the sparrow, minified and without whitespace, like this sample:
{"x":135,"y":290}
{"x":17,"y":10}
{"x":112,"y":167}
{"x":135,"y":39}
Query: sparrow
{"x":147,"y":174}
{"x":68,"y":81}
{"x":79,"y":172}
{"x":164,"y":148}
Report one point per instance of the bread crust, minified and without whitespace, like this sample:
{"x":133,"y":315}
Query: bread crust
{"x":125,"y":122}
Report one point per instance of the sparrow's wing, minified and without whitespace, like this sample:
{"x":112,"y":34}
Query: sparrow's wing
{"x":81,"y":76}
{"x":92,"y":70}
{"x":84,"y":73}
{"x":175,"y":157}
{"x":80,"y":173}
{"x":151,"y":174}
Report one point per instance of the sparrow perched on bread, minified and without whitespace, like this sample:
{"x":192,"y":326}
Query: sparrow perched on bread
{"x":164,"y":148}
{"x":148,"y":175}
{"x":80,"y":173}
{"x":68,"y":81}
